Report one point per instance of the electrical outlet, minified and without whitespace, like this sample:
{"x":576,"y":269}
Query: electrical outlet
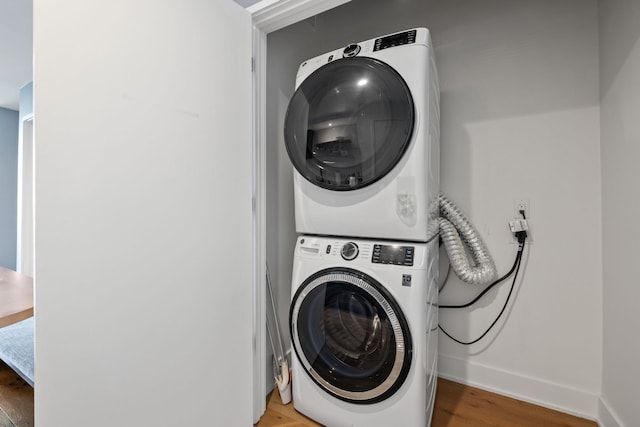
{"x":521,"y":205}
{"x":519,"y":223}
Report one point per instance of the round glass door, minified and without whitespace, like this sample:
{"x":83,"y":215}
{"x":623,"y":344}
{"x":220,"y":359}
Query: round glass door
{"x":349,"y":123}
{"x":350,"y":335}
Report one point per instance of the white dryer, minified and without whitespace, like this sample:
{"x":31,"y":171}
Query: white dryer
{"x":362,"y":132}
{"x":363,"y":323}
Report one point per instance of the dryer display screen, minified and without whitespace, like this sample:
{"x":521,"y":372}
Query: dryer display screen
{"x":395,"y":40}
{"x":392,"y":254}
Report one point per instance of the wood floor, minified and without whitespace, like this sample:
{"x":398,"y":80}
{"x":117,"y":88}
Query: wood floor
{"x":456,"y":405}
{"x":16,"y":399}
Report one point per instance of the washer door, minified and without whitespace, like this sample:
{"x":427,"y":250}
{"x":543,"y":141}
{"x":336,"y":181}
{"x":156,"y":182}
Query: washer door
{"x":350,"y":335}
{"x":349,"y":123}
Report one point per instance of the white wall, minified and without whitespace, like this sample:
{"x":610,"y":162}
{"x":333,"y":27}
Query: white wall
{"x":520,"y":119}
{"x":26,"y":100}
{"x":8,"y":186}
{"x":620,"y":110}
{"x":25,"y":213}
{"x":143,"y":227}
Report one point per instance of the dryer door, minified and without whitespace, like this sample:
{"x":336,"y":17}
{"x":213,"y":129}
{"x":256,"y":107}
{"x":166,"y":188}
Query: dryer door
{"x":350,"y":335}
{"x":349,"y":123}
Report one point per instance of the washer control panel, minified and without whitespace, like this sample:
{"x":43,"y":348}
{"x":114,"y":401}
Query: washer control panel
{"x":393,"y":254}
{"x":361,"y":252}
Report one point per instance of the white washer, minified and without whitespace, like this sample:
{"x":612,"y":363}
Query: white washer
{"x":363,"y":324}
{"x":362,"y":132}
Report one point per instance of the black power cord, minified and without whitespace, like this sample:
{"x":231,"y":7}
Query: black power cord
{"x":522,"y":238}
{"x":492,"y":285}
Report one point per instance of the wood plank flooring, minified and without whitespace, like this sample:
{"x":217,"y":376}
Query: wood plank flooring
{"x":456,"y":405}
{"x":16,"y":399}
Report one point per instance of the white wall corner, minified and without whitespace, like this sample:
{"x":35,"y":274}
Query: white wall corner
{"x":559,"y":397}
{"x":607,"y":417}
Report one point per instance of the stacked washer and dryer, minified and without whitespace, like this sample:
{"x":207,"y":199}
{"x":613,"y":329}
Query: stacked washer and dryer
{"x":362,"y":131}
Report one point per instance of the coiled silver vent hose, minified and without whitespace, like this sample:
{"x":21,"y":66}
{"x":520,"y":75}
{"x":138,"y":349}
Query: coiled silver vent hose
{"x":456,"y":232}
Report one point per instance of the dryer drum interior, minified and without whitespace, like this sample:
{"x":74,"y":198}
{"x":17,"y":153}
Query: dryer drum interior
{"x":350,"y":335}
{"x":349,"y":123}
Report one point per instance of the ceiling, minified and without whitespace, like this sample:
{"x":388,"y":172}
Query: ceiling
{"x":16,"y":46}
{"x":246,"y":3}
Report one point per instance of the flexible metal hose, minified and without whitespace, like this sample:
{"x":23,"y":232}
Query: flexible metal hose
{"x":457,"y":232}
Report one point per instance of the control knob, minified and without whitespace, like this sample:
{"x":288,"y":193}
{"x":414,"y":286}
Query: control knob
{"x":351,"y":50}
{"x":349,"y":251}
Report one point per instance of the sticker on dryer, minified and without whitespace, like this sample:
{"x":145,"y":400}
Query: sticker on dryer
{"x":406,"y":203}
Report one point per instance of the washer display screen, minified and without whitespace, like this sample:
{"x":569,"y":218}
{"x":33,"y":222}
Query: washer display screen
{"x":393,"y":254}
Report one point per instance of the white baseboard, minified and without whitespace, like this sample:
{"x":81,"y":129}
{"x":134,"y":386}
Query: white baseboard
{"x":559,"y":397}
{"x":607,"y":417}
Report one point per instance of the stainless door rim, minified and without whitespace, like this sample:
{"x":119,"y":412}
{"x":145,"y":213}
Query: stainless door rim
{"x":402,"y":358}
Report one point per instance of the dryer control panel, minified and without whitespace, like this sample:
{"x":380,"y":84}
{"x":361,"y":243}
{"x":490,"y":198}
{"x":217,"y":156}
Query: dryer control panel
{"x":372,"y":48}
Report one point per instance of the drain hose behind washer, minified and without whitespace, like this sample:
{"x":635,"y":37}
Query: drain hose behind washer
{"x":456,"y":232}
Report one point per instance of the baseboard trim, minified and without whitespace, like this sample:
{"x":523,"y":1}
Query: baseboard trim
{"x":559,"y":397}
{"x":607,"y":417}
